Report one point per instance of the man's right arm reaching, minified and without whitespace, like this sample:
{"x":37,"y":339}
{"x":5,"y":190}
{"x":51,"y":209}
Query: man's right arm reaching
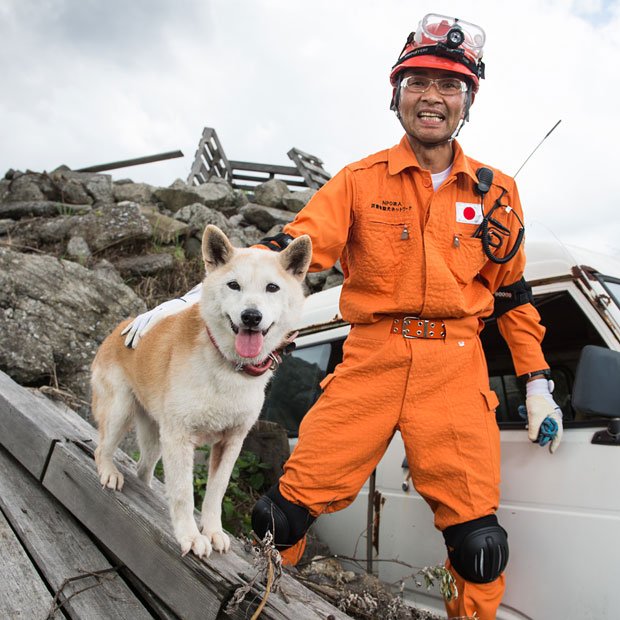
{"x":145,"y":321}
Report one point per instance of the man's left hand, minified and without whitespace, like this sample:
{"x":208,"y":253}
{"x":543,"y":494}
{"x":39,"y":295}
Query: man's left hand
{"x":540,"y":405}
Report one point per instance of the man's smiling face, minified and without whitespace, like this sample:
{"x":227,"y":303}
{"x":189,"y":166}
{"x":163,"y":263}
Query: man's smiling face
{"x":430,"y":117}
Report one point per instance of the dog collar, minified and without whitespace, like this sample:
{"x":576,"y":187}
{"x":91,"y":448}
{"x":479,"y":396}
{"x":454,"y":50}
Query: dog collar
{"x":271,"y":362}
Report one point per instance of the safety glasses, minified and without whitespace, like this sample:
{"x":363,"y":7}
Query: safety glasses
{"x":447,"y":86}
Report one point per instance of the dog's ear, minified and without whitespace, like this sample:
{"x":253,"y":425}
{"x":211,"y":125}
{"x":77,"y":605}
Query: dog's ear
{"x":216,"y":249}
{"x":296,"y":257}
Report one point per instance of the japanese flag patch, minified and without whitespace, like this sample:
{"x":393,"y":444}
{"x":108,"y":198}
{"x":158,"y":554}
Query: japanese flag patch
{"x":468,"y":213}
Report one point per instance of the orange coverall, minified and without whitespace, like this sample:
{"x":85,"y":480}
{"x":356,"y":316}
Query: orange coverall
{"x":403,"y":252}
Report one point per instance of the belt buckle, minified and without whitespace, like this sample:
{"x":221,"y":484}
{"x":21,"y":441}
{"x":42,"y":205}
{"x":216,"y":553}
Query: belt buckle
{"x":414,"y":327}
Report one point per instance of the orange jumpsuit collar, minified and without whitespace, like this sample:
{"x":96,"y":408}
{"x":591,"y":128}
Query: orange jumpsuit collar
{"x":401,"y":156}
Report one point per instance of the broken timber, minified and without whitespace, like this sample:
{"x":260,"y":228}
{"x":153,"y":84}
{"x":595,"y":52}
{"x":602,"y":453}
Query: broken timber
{"x":52,"y":508}
{"x":211,"y":161}
{"x":137,"y":161}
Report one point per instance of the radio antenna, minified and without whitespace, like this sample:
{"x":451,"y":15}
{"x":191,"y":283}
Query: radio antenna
{"x":528,"y":157}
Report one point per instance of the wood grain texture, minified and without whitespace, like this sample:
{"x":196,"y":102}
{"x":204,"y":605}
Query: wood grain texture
{"x":22,"y":593}
{"x":61,"y":549}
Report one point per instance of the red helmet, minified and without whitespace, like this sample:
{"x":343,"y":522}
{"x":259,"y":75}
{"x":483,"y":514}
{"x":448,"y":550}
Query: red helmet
{"x":446,"y":43}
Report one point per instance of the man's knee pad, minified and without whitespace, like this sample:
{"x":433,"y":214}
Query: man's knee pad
{"x":478,"y":549}
{"x":287,"y":522}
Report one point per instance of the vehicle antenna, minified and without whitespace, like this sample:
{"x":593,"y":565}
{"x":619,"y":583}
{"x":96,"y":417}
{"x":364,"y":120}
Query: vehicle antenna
{"x":528,"y":157}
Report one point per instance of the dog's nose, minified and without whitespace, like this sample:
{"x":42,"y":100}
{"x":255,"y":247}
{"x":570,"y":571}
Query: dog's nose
{"x":251,"y":317}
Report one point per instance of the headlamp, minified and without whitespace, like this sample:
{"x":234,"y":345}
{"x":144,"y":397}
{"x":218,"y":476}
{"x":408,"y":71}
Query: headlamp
{"x":453,"y":33}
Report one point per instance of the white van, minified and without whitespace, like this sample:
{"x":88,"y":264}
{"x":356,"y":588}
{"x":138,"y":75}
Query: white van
{"x":562,"y":512}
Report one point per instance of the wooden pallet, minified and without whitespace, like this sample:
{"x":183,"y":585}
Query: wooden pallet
{"x":56,"y":522}
{"x":211,"y":161}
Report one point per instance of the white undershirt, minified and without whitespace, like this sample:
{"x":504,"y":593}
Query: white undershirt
{"x":440,"y":177}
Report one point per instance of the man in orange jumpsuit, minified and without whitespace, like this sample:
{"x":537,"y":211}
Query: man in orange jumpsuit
{"x":427,"y":239}
{"x":417,"y":283}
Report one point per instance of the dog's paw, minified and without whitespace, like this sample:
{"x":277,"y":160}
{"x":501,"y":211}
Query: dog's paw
{"x":198,"y":544}
{"x":111,"y":478}
{"x":219,"y":540}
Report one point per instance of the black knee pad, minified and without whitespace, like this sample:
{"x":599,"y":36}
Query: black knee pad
{"x":478,"y":549}
{"x":287,"y":522}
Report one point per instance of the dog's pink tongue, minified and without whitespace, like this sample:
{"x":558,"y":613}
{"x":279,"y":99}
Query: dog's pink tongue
{"x":248,"y":343}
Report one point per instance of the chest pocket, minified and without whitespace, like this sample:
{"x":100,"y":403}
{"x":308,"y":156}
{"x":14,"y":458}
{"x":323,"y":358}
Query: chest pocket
{"x":465,"y":257}
{"x":376,"y":247}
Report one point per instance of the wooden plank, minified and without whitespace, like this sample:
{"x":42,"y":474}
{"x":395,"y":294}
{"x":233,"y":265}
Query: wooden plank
{"x":134,"y":525}
{"x":305,"y":155}
{"x":30,"y":424}
{"x":61,"y":549}
{"x":141,"y":537}
{"x":24,"y":426}
{"x":22,"y":593}
{"x":269,"y":168}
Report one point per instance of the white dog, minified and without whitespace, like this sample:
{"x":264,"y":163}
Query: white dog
{"x":199,"y":377}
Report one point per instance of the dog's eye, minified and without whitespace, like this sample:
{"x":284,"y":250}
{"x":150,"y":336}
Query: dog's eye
{"x":272,"y":288}
{"x":234,"y":285}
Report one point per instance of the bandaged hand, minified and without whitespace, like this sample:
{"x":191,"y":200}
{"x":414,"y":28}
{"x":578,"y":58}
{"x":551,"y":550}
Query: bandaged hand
{"x":147,"y":320}
{"x":540,"y":405}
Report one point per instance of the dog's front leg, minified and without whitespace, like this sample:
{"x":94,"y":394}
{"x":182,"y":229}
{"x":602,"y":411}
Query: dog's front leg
{"x":223,"y":456}
{"x":178,"y":458}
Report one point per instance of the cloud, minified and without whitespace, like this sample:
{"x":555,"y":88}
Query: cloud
{"x":87,"y":82}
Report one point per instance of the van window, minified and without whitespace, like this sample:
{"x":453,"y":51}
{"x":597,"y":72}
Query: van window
{"x":568,"y":330}
{"x":295,"y":386}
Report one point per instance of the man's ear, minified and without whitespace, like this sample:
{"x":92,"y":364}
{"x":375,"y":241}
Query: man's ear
{"x":297,"y":256}
{"x":216,"y":248}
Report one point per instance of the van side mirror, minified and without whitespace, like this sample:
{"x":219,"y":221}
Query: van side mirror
{"x":596,"y":391}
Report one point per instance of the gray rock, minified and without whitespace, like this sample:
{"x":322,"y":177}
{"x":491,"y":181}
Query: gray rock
{"x":144,"y":264}
{"x":112,"y":224}
{"x":134,"y":192}
{"x":77,"y":249}
{"x":198,"y":216}
{"x":215,"y":195}
{"x":240,"y":198}
{"x":102,"y":227}
{"x":99,"y":186}
{"x":106,"y":270}
{"x":73,"y":192}
{"x":252,"y":235}
{"x":265,"y":217}
{"x":259,"y":216}
{"x":296,"y":201}
{"x":25,"y":187}
{"x":165,"y":229}
{"x":271,"y":193}
{"x":192,"y":246}
{"x":43,"y":231}
{"x":53,"y":316}
{"x":39,"y":208}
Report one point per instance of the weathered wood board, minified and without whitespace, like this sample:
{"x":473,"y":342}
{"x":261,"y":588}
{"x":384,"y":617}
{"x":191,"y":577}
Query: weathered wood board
{"x":61,"y":549}
{"x":22,"y":593}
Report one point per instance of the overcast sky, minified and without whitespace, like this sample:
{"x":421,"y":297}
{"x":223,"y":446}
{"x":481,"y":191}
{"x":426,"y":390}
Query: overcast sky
{"x":92,"y":81}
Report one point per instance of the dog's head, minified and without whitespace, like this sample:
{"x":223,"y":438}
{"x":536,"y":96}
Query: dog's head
{"x":251,"y":297}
